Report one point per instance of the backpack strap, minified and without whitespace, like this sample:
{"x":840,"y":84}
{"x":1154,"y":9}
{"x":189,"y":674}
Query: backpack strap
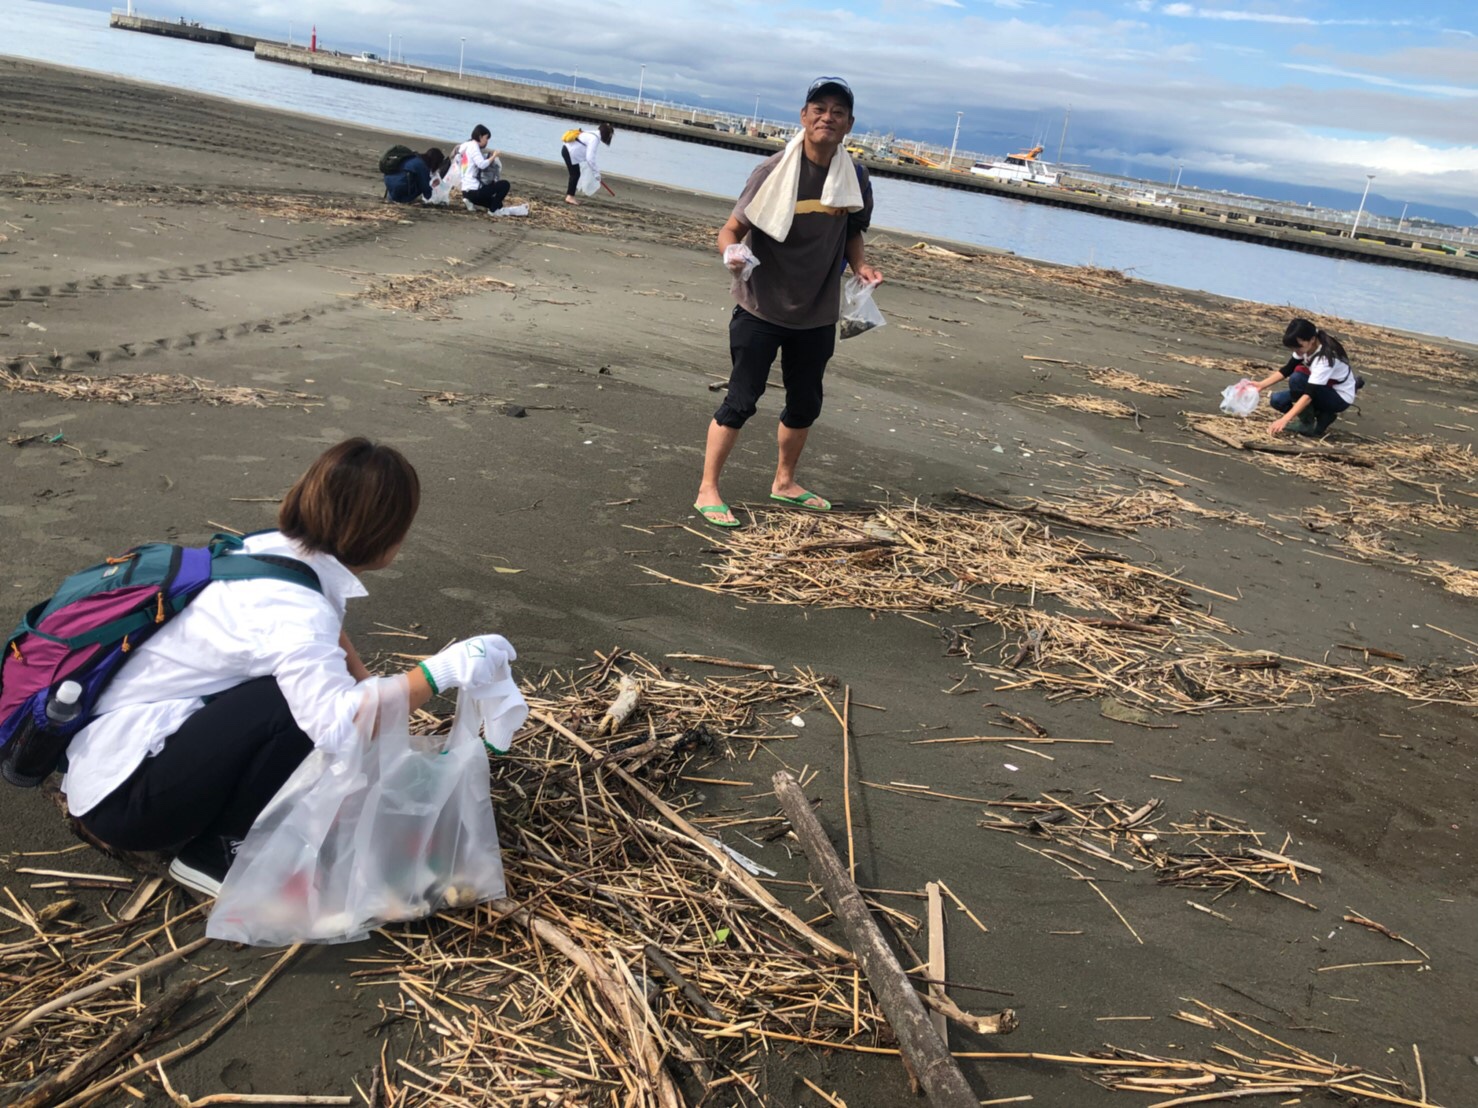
{"x":247,"y":567}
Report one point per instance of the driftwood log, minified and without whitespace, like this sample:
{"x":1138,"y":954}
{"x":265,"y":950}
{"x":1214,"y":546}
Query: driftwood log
{"x":923,"y":1051}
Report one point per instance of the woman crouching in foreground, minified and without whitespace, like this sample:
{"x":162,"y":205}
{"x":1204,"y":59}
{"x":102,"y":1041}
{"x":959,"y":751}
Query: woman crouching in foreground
{"x":213,"y":713}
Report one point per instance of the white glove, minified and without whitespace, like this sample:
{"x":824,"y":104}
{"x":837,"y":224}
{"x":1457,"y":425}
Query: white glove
{"x":469,"y":663}
{"x":500,"y":708}
{"x":740,"y":259}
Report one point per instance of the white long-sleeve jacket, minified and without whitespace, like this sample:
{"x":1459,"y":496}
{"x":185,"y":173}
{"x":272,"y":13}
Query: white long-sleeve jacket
{"x":232,"y":632}
{"x":583,"y":150}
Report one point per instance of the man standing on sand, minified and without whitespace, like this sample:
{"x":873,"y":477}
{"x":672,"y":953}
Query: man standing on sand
{"x":801,"y":215}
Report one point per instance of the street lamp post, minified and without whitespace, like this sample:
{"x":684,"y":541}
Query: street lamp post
{"x":1356,"y":225}
{"x":461,"y":54}
{"x":950,"y":165}
{"x":640,"y":84}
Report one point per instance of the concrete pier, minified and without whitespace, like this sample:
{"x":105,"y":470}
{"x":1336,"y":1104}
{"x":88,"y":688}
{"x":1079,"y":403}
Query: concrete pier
{"x":191,"y":32}
{"x":1207,"y":217}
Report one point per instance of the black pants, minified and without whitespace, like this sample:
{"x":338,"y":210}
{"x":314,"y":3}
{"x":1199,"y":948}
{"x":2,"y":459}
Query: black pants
{"x":574,"y":172}
{"x":213,"y":777}
{"x":1323,"y":398}
{"x":490,"y":196}
{"x":753,"y":344}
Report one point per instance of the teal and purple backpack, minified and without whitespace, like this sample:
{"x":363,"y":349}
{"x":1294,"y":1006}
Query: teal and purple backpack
{"x":86,"y":631}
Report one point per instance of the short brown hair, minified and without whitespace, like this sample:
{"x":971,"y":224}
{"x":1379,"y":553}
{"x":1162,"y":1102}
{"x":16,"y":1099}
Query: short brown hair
{"x":356,"y":502}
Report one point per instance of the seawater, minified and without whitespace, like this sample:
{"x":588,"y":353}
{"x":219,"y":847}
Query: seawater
{"x":1410,"y":300}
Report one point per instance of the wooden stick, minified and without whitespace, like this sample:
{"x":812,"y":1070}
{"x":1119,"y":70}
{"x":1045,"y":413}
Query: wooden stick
{"x":1232,"y":1094}
{"x":815,"y":1088}
{"x":960,"y":904}
{"x":731,"y":869}
{"x":929,"y":1059}
{"x":117,"y":1045}
{"x":183,"y":1101}
{"x":98,"y":986}
{"x":139,"y":898}
{"x":936,"y":958}
{"x":756,"y":667}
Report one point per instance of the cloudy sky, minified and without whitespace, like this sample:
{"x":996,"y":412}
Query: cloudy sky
{"x":1313,"y":91}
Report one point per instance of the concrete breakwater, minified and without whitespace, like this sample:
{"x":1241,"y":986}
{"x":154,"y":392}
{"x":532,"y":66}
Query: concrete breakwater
{"x":1202,"y":214}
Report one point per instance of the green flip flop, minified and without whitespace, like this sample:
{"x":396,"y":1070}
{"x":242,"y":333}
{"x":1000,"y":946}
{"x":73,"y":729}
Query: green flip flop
{"x":708,"y":511}
{"x":808,"y":500}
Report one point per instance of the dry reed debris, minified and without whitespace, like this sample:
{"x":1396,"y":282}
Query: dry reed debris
{"x":150,"y":389}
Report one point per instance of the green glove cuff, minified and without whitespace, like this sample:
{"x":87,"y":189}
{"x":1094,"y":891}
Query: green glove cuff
{"x":429,"y":679}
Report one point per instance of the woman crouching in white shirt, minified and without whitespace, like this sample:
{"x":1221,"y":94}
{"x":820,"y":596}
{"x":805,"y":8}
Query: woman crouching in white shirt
{"x":1321,"y":383}
{"x":212,"y":715}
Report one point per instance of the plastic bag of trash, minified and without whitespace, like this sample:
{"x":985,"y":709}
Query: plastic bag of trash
{"x":441,"y":190}
{"x":391,"y":829}
{"x":859,"y":313}
{"x":738,"y":251}
{"x":589,"y":181}
{"x":512,"y":209}
{"x":1240,"y":399}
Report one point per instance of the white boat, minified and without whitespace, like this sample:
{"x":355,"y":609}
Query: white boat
{"x":1023,"y":168}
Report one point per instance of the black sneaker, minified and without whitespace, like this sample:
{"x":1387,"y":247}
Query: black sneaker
{"x":202,"y":864}
{"x":1322,"y":422}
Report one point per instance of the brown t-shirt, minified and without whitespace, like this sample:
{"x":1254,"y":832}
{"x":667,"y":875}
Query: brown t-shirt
{"x":797,"y":283}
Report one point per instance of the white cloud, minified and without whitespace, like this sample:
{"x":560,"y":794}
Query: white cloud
{"x":1233,"y":15}
{"x":1384,"y":82}
{"x":1133,"y":85}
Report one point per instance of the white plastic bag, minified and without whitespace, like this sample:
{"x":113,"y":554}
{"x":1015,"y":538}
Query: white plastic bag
{"x":515,"y":210}
{"x":741,"y":252}
{"x":859,"y":313}
{"x":589,"y":180}
{"x":441,"y":190}
{"x":1240,"y":399}
{"x":390,"y":830}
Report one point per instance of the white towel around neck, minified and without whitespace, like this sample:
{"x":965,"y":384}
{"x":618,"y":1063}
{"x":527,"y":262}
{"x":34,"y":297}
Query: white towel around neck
{"x":773,"y":208}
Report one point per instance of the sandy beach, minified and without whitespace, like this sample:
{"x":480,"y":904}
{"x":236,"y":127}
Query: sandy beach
{"x":196,"y":297}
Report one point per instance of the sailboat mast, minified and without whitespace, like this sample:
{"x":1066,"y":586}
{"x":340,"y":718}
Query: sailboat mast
{"x":1063,"y":140}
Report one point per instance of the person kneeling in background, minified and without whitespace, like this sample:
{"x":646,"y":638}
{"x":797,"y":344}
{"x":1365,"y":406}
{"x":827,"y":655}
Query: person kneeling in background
{"x":1321,"y":383}
{"x":415,"y":177}
{"x":482,"y":173}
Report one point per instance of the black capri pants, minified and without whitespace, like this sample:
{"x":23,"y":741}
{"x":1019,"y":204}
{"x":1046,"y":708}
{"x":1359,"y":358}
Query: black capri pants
{"x":753,"y":344}
{"x":213,"y":777}
{"x":574,"y":172}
